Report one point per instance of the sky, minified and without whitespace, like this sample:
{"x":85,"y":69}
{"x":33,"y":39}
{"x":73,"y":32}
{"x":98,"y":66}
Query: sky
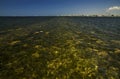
{"x":58,"y":7}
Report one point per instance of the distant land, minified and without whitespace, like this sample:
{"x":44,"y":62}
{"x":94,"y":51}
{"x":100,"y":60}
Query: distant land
{"x":72,"y":15}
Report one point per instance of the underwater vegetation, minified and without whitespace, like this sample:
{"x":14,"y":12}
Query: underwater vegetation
{"x":59,"y":48}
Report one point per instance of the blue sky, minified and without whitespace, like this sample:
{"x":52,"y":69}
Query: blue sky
{"x":58,"y":7}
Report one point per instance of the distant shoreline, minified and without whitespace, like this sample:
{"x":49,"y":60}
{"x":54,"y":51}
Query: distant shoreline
{"x":67,"y":16}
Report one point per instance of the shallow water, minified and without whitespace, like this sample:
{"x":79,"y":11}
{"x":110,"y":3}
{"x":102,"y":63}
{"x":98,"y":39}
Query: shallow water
{"x":59,"y":47}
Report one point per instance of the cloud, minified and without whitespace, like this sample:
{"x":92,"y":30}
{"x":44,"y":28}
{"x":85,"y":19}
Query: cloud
{"x":113,"y":8}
